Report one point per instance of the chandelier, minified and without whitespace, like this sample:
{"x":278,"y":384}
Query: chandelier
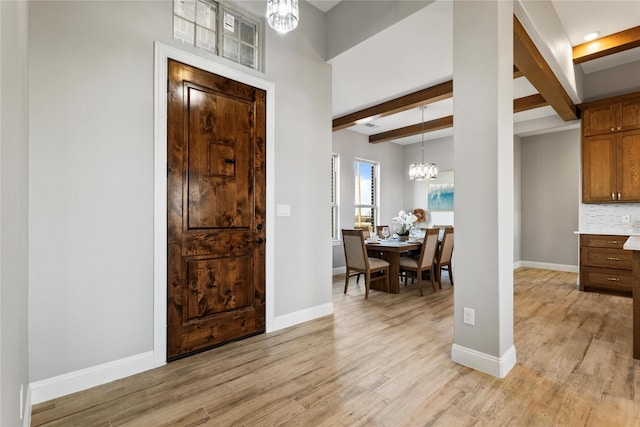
{"x":422,"y":171}
{"x":282,"y":15}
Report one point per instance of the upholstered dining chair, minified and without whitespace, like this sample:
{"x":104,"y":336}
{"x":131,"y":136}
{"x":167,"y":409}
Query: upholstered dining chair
{"x":424,"y":261}
{"x":379,"y":230}
{"x":366,"y":231}
{"x":357,"y":260}
{"x":443,"y":261}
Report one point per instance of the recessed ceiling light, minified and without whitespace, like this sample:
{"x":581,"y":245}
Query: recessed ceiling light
{"x":592,"y":36}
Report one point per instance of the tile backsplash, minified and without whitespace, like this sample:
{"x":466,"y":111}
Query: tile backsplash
{"x":608,"y":218}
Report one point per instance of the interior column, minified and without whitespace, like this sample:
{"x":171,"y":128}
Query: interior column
{"x":484,"y":201}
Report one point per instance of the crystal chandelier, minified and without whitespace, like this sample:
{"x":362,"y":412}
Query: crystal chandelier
{"x":422,"y":171}
{"x":282,"y":15}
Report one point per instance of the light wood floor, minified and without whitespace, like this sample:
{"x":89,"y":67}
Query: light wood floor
{"x":386,"y":362}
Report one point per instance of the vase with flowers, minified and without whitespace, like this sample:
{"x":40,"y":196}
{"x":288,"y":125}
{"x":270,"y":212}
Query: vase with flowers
{"x":405,"y":221}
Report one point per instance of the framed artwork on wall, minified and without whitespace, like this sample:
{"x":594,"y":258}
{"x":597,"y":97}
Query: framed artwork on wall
{"x":440,"y":192}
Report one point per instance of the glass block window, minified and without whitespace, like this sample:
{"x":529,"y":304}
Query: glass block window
{"x":218,"y":29}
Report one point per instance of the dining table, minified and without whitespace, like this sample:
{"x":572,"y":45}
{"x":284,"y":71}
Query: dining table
{"x":390,"y":250}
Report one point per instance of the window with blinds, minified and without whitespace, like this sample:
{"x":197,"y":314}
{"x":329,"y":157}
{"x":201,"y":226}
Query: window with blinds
{"x":219,"y":29}
{"x":366,"y":190}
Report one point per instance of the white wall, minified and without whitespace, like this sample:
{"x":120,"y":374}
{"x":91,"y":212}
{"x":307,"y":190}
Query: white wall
{"x":440,"y":152}
{"x":517,"y":199}
{"x":550,"y":197}
{"x":91,"y":180}
{"x":344,"y":21}
{"x":14,"y":166}
{"x":351,"y":145}
{"x":613,"y":81}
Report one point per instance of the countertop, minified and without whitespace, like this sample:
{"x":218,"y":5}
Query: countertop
{"x":631,"y":232}
{"x":632,"y":244}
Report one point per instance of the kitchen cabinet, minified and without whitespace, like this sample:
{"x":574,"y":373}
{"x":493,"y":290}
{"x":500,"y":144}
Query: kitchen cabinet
{"x":611,"y":115}
{"x":611,"y":150}
{"x":604,"y":265}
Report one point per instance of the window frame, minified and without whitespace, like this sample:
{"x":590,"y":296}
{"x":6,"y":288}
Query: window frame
{"x":240,"y":16}
{"x":335,"y":197}
{"x":375,"y":193}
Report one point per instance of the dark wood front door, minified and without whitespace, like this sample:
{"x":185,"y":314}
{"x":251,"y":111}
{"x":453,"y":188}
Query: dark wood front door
{"x":215,"y":210}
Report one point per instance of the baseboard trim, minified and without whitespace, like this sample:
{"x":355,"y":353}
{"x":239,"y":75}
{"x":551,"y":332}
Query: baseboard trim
{"x":492,"y":365}
{"x":339,"y":270}
{"x":26,"y":416}
{"x":301,"y":316}
{"x":517,"y":264}
{"x":550,"y":266}
{"x":72,"y":382}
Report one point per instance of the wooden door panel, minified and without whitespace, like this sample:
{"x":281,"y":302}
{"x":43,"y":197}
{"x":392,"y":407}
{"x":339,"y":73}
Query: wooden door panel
{"x":629,"y":166}
{"x":217,"y":285}
{"x":220,"y":176}
{"x":216,"y":210}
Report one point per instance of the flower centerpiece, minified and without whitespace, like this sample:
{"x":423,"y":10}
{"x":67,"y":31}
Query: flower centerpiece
{"x":406,"y":221}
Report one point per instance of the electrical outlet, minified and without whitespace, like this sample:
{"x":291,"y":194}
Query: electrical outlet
{"x":469,"y":316}
{"x":626,"y":219}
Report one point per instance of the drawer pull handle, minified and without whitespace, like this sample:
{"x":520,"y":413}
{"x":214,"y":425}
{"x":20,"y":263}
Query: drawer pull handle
{"x":613,"y":242}
{"x":611,"y":258}
{"x":613,"y":279}
{"x":613,"y":196}
{"x":619,"y":198}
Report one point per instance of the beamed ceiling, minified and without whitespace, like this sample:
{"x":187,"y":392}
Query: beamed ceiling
{"x":528,"y":62}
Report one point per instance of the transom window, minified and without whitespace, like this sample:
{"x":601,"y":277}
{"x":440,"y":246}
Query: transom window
{"x":366,"y":189}
{"x":219,"y":29}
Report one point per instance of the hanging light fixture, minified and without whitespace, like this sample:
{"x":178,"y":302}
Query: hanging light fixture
{"x":282,"y":15}
{"x":422,"y":171}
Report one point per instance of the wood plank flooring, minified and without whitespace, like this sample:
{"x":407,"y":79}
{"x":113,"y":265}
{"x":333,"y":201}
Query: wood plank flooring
{"x":386,"y":362}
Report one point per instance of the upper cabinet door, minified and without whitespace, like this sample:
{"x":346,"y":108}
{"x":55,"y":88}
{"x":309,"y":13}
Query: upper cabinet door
{"x":599,"y":120}
{"x":599,"y":169}
{"x":628,"y":170}
{"x":630,"y":115}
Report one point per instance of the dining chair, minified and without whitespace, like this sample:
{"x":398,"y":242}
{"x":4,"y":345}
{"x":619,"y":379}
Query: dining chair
{"x":443,"y":261}
{"x":379,"y":230}
{"x":357,"y":260}
{"x":366,"y":231}
{"x":424,"y":261}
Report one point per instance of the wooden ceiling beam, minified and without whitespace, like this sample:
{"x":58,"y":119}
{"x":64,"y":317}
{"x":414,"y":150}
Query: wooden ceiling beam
{"x":614,"y":43}
{"x":403,"y":103}
{"x":529,"y":103}
{"x":417,"y":129}
{"x":530,"y":61}
{"x":520,"y":104}
{"x":397,"y":105}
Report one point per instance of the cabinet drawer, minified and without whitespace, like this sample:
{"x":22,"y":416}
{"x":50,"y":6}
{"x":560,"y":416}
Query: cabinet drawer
{"x":605,"y":278}
{"x":607,"y":258}
{"x":602,"y":241}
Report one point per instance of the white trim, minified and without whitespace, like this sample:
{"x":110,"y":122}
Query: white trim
{"x":492,"y":365}
{"x":72,"y":382}
{"x":339,"y":270}
{"x":26,"y":417}
{"x":162,"y":54}
{"x":291,"y":319}
{"x":517,"y":264}
{"x":549,"y":266}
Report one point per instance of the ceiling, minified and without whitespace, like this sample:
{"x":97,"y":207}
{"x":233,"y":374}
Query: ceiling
{"x":361,"y":79}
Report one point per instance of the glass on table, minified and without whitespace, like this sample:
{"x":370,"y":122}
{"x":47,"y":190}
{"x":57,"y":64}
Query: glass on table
{"x":385,"y":232}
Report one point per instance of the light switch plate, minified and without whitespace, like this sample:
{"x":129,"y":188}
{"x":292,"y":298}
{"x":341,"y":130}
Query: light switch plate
{"x":283,"y":210}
